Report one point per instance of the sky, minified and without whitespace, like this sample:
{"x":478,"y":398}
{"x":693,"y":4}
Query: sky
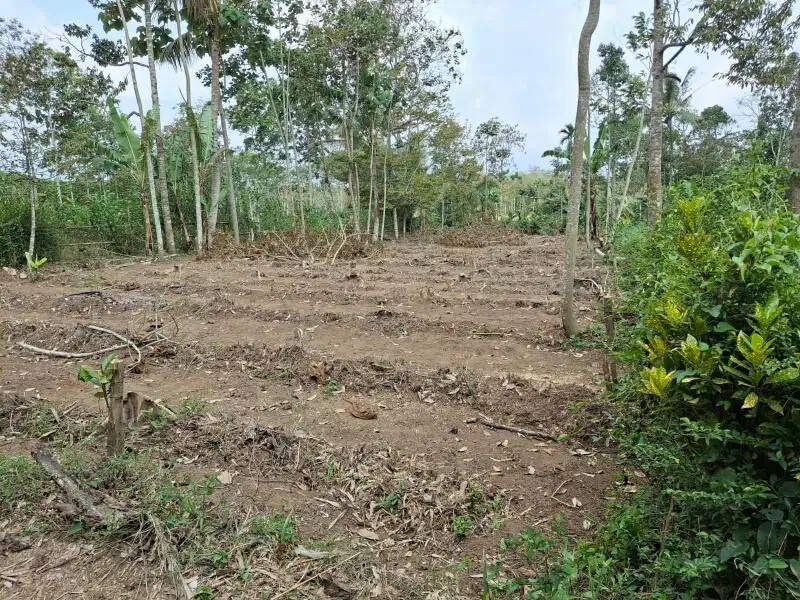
{"x":521,"y":64}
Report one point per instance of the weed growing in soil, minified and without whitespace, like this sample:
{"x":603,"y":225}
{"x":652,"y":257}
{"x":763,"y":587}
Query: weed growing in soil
{"x":22,"y":483}
{"x":277,"y":528}
{"x":463,"y":526}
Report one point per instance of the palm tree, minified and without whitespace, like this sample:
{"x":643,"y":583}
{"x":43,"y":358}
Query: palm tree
{"x":205,"y":15}
{"x":145,"y":130}
{"x":563,"y":151}
{"x":183,"y":60}
{"x":159,"y":131}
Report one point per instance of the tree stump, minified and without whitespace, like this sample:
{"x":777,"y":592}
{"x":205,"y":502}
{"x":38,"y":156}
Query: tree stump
{"x":115,"y":441}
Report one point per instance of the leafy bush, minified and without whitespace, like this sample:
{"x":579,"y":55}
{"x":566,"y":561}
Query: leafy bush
{"x":710,"y":409}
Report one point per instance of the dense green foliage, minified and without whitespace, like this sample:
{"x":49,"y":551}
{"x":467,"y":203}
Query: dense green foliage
{"x":710,"y":409}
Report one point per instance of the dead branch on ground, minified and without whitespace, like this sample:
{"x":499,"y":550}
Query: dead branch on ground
{"x":75,"y":490}
{"x":529,"y":432}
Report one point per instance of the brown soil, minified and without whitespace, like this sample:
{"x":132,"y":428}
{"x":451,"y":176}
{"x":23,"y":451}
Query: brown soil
{"x":427,"y":335}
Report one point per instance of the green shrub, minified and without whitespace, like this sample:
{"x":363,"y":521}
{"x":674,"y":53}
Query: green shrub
{"x":711,"y":407}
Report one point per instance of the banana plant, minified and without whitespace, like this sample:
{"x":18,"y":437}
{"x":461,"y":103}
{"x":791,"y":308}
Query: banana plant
{"x":178,"y":155}
{"x":128,"y":155}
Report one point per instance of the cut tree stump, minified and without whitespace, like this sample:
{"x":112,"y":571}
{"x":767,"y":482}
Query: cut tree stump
{"x":115,"y":441}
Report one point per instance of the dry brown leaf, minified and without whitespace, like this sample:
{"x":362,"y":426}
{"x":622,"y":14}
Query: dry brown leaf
{"x":368,"y":534}
{"x":361,"y":411}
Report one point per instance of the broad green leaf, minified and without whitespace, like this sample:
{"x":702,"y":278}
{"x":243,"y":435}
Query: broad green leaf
{"x":77,"y":526}
{"x":763,"y":536}
{"x":751,"y":401}
{"x":777,"y":563}
{"x":723,"y":327}
{"x":774,"y":405}
{"x":129,"y":143}
{"x":106,"y":362}
{"x":203,"y":132}
{"x":733,"y":549}
{"x":794,"y":565}
{"x":784,"y":375}
{"x":88,"y":375}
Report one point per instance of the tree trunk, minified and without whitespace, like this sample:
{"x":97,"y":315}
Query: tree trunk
{"x":148,"y":232}
{"x":656,"y":115}
{"x":156,"y":112}
{"x":229,"y":177}
{"x":635,"y":154}
{"x":216,"y":101}
{"x":146,"y":148}
{"x":34,"y":202}
{"x":581,"y":118}
{"x":794,"y":148}
{"x":588,"y":216}
{"x":186,"y":239}
{"x":385,"y":170}
{"x":198,"y":205}
{"x":396,"y":231}
{"x":372,"y":195}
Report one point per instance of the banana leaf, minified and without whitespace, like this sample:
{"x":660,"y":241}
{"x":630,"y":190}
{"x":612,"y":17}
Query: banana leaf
{"x":130,"y":145}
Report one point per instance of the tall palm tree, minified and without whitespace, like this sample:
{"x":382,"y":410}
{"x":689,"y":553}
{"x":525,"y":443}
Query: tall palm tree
{"x":145,"y":129}
{"x":159,"y":131}
{"x":205,"y":15}
{"x":183,"y":60}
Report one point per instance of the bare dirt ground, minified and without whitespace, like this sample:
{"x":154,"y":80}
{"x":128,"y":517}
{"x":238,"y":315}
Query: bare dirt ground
{"x":273,"y":357}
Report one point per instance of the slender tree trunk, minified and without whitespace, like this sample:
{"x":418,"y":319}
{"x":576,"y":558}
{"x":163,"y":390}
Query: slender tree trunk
{"x":588,"y":216}
{"x":148,"y":232}
{"x":229,"y":177}
{"x":581,"y":118}
{"x":161,"y":157}
{"x":386,"y":170}
{"x":146,"y":147}
{"x":216,"y":101}
{"x":794,"y":148}
{"x":656,"y":115}
{"x":635,"y":154}
{"x":396,"y":231}
{"x":441,"y":201}
{"x":198,"y":205}
{"x":186,"y":239}
{"x":372,"y":195}
{"x":34,"y":202}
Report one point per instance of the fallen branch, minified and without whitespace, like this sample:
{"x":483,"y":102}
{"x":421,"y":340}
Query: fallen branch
{"x":119,"y":337}
{"x":553,"y":495}
{"x":593,"y":282}
{"x":88,"y":293}
{"x":60,"y":354}
{"x":488,"y":333}
{"x":74,"y":490}
{"x":530,"y":432}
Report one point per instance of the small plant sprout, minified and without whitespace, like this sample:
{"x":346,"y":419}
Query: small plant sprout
{"x":34,"y":264}
{"x":101,"y":379}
